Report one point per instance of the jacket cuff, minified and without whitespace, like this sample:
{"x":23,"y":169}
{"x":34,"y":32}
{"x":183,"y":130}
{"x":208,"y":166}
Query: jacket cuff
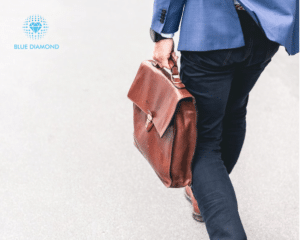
{"x":167,"y":35}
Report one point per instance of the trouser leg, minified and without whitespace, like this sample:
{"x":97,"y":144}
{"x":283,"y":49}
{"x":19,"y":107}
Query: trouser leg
{"x":234,"y":131}
{"x":234,"y":122}
{"x":249,"y":66}
{"x":216,"y":198}
{"x":211,"y":185}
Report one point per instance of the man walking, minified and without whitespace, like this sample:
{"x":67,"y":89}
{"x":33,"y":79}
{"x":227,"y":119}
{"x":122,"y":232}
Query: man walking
{"x":225,"y":45}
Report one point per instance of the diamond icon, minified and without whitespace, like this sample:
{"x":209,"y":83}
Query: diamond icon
{"x":35,"y":26}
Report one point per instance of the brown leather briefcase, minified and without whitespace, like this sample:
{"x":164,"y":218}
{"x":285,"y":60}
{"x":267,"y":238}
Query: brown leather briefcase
{"x":164,"y":117}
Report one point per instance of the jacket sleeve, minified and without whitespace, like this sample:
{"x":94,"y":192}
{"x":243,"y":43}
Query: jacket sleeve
{"x":167,"y":15}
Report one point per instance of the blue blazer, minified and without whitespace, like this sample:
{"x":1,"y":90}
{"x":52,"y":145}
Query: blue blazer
{"x":214,"y":24}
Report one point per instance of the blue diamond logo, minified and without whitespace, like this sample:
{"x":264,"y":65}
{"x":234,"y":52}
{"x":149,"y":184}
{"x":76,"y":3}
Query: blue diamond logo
{"x":35,"y":26}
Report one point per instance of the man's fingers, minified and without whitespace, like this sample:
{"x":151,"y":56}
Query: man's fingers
{"x":160,"y":65}
{"x":165,"y":63}
{"x":158,"y":62}
{"x":162,"y":62}
{"x":172,"y":60}
{"x":174,"y":56}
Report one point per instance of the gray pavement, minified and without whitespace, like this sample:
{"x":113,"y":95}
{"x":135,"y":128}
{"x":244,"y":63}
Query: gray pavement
{"x":69,"y":169}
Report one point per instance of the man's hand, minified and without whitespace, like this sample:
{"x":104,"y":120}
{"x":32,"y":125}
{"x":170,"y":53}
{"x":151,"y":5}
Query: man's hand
{"x":162,"y":53}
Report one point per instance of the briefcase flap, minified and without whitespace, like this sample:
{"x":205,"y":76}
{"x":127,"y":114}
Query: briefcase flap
{"x":152,"y":89}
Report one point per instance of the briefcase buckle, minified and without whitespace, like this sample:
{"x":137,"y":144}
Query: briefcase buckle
{"x":149,"y":123}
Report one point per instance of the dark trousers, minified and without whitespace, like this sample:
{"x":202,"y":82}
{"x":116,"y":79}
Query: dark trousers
{"x":220,"y":81}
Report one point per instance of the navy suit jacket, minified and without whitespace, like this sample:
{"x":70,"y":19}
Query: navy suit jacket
{"x":214,"y":24}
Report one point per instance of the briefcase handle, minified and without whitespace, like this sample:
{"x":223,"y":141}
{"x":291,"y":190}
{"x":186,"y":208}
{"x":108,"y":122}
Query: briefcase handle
{"x":174,"y":71}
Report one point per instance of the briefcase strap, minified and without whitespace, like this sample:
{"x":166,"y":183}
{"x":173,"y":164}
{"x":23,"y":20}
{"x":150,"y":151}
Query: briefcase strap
{"x":174,"y":69}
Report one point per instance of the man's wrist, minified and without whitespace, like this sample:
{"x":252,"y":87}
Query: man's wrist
{"x":157,"y":37}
